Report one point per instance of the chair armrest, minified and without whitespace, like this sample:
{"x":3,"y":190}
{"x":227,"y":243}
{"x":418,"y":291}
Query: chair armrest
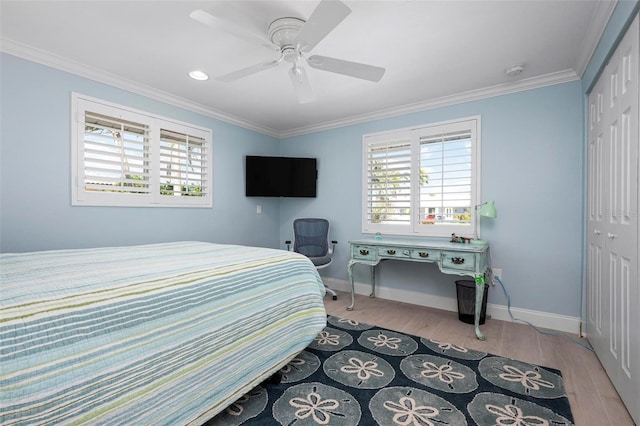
{"x":332,"y":247}
{"x":288,"y":243}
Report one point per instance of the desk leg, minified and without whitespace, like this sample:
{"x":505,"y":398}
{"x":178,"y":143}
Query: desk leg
{"x":373,"y":281}
{"x":479,"y":295}
{"x":353,"y":297}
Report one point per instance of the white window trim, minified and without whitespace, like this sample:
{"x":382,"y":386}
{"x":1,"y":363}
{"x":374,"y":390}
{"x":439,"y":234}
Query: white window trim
{"x":414,"y":228}
{"x":80,"y":197}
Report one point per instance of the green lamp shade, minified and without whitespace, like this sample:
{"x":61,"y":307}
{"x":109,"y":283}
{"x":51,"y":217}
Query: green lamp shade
{"x":488,"y":209}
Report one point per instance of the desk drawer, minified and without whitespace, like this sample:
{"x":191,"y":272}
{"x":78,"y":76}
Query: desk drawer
{"x":459,"y":260}
{"x":391,"y":252}
{"x":426,"y":255}
{"x":363,"y":252}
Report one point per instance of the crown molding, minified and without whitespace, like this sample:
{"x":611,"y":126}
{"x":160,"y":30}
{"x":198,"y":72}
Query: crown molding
{"x":472,"y":95}
{"x":45,"y":58}
{"x":64,"y":64}
{"x":597,"y":24}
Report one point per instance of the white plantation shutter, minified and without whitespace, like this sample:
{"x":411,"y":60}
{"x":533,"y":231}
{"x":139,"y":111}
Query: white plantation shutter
{"x":423,"y":180}
{"x":183,"y":164}
{"x":446,"y":163}
{"x":115,"y":155}
{"x":388,"y":182}
{"x":123,"y":157}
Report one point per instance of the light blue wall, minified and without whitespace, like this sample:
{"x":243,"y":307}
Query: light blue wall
{"x":532,"y":160}
{"x":35,"y":182}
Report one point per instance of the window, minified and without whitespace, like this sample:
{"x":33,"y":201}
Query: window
{"x":182,"y":164}
{"x":123,"y":157}
{"x":422,"y":181}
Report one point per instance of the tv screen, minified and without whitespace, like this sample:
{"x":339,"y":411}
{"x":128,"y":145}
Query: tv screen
{"x":280,"y":176}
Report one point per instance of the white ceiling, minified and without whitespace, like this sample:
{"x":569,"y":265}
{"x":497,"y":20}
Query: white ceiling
{"x":434,"y":52}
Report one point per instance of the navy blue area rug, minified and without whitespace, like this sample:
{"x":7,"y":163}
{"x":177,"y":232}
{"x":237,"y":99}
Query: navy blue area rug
{"x":359,"y":374}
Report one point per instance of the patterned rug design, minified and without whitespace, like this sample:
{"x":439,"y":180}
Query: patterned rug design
{"x":359,"y":374}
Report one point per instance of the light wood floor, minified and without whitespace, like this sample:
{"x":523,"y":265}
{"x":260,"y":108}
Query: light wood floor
{"x":594,"y":401}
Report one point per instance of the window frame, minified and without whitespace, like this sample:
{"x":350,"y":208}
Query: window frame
{"x":154,"y":198}
{"x":414,"y":227}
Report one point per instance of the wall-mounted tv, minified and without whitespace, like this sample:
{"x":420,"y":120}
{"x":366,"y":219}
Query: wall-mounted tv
{"x":280,"y":176}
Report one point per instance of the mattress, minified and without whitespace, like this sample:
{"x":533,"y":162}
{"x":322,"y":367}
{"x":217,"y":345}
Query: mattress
{"x":156,"y":334}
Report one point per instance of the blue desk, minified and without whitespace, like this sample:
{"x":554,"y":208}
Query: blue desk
{"x":452,"y":258}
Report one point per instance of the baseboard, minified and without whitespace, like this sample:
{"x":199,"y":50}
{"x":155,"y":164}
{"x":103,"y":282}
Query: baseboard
{"x":540,"y":319}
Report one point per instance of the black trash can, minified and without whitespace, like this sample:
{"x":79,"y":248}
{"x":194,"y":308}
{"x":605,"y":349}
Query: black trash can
{"x":466,"y":290}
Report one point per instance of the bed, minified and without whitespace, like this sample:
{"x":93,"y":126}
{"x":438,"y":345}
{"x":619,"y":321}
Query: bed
{"x":155,"y":334}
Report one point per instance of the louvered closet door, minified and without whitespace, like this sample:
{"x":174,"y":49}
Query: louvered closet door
{"x":613,"y":299}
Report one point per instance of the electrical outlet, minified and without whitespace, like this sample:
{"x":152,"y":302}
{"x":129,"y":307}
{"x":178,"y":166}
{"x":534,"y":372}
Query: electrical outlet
{"x":497,"y":272}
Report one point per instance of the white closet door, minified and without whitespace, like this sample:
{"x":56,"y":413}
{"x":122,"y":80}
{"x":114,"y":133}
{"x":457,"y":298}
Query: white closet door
{"x":622,"y":220}
{"x":613,"y":298}
{"x":597,"y":297}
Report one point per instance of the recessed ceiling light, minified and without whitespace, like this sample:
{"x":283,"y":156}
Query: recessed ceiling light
{"x":198,"y":75}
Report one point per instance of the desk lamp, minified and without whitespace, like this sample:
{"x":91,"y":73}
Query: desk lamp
{"x":487,"y":209}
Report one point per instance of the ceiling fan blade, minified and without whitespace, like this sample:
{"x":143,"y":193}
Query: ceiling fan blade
{"x":322,"y":21}
{"x":340,"y":66}
{"x":235,"y":75}
{"x":230,"y":25}
{"x":301,"y":84}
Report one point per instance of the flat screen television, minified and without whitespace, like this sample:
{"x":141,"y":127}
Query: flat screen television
{"x":280,"y":176}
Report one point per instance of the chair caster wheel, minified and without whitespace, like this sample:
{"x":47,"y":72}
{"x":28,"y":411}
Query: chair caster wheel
{"x":335,"y":297}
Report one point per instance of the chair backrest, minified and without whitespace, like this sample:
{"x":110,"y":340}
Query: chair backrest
{"x":311,"y":237}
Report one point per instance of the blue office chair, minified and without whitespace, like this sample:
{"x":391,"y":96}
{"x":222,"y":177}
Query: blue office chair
{"x":311,"y":238}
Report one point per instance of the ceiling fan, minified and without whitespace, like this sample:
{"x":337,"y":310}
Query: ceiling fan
{"x":293,"y":39}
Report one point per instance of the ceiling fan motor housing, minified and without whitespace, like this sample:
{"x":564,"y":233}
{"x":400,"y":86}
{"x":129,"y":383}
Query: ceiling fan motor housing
{"x":283,"y":32}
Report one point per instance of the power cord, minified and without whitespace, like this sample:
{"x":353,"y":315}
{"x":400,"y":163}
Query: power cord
{"x":576,"y":341}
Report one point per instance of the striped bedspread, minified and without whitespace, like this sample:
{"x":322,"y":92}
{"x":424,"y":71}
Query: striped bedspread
{"x":157,"y":334}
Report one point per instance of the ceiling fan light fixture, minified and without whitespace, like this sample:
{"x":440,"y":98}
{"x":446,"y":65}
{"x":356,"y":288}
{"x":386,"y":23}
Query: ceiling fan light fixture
{"x":198,"y":75}
{"x":290,"y":54}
